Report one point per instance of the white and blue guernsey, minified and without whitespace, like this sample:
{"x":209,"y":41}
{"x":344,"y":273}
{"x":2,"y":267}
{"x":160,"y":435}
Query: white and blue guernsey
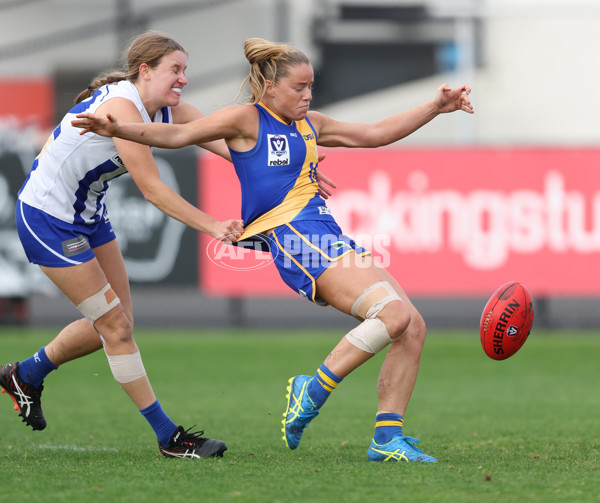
{"x":70,"y":176}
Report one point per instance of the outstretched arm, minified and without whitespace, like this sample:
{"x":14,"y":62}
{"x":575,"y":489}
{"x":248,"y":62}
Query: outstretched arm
{"x":184,"y":113}
{"x":230,"y":122}
{"x":225,"y":123}
{"x":332,"y":133}
{"x":144,"y":172}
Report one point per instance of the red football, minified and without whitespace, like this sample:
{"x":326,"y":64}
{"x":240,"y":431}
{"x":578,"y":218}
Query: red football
{"x":506,"y":321}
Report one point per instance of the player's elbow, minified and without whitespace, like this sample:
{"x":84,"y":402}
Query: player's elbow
{"x":170,"y":139}
{"x":377,"y":140}
{"x":151,"y":193}
{"x":181,"y":141}
{"x":377,"y":137}
{"x":173,"y":142}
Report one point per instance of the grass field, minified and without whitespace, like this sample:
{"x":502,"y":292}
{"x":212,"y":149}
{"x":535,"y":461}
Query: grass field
{"x":525,"y":430}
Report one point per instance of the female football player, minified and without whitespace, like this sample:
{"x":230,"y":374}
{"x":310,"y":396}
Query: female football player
{"x":273,"y":142}
{"x":64,"y":227}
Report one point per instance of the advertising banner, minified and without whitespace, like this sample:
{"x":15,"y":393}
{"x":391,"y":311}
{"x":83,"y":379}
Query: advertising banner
{"x":17,"y":277}
{"x":155,"y":248}
{"x":445,"y":222}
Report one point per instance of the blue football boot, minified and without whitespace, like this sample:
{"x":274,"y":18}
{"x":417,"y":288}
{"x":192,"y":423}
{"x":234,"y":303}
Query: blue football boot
{"x":300,"y":411}
{"x":399,"y":449}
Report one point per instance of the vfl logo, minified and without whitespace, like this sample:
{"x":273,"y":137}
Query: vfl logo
{"x":278,"y":144}
{"x":279,"y":154}
{"x":512,"y":331}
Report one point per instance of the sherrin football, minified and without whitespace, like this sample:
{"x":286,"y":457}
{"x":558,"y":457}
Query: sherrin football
{"x":506,"y":321}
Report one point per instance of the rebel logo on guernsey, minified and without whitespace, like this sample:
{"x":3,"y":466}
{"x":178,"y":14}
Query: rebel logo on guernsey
{"x":279,"y":154}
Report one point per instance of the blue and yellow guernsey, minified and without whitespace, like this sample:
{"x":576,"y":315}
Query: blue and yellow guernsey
{"x":278,"y":176}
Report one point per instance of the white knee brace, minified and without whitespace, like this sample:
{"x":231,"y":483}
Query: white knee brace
{"x":126,"y":368}
{"x":99,"y":304}
{"x":371,"y":335}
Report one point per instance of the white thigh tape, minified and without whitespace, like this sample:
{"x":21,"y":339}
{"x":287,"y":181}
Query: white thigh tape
{"x":126,"y":368}
{"x":99,"y":304}
{"x":370,"y":336}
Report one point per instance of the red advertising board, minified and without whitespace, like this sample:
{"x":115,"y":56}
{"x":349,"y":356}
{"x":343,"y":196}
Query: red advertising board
{"x":29,"y":100}
{"x":444,"y":222}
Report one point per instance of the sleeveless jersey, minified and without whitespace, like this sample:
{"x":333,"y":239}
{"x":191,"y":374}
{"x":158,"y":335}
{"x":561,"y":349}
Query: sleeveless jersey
{"x":278,"y":176}
{"x":70,"y":176}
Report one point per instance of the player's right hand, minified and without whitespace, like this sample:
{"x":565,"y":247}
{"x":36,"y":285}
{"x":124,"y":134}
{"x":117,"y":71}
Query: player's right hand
{"x":229,"y":231}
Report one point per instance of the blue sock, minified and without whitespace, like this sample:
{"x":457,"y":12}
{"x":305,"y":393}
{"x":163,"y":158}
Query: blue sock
{"x":160,"y":422}
{"x":322,"y":384}
{"x":35,"y":369}
{"x":387,"y":425}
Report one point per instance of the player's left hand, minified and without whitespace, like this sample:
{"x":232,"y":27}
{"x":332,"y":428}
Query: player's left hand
{"x":449,"y":100}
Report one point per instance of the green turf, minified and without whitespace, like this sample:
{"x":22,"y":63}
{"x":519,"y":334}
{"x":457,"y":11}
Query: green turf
{"x":523,"y":430}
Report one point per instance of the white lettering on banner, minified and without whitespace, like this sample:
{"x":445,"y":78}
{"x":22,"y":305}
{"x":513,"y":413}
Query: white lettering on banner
{"x":483,"y":225}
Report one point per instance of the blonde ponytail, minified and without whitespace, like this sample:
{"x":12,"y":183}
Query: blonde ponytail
{"x":268,"y":61}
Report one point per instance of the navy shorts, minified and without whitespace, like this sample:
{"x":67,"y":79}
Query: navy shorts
{"x":303,"y":250}
{"x":51,"y":242}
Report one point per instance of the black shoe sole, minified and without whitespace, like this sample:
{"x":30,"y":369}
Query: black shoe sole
{"x":210,"y":449}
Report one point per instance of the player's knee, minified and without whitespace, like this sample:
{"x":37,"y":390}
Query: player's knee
{"x":413,"y":337}
{"x":397,"y":318}
{"x":116,"y":328}
{"x":385,"y":317}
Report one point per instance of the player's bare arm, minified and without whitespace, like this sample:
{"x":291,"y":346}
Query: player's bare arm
{"x":144,"y":172}
{"x":184,"y":113}
{"x":226,"y":124}
{"x":332,"y":133}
